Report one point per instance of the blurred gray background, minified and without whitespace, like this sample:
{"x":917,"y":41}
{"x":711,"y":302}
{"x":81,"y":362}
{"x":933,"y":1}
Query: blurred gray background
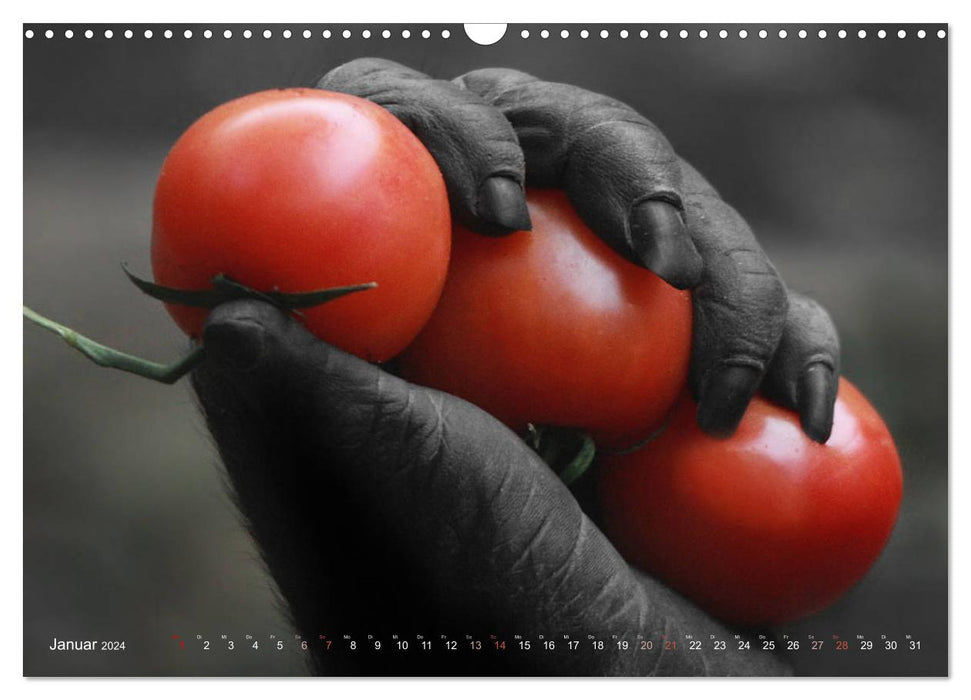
{"x":836,"y":151}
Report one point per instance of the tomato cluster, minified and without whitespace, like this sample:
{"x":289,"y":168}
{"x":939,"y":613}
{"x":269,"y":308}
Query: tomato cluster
{"x":295,"y":190}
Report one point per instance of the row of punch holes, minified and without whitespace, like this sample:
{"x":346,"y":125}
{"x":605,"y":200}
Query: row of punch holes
{"x":483,"y":34}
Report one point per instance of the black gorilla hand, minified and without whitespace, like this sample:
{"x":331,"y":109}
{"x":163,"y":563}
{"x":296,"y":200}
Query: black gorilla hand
{"x":493,"y":130}
{"x":384,"y":507}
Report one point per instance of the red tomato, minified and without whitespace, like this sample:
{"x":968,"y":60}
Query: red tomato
{"x":551,"y":326}
{"x":766,"y":526}
{"x":299,"y":190}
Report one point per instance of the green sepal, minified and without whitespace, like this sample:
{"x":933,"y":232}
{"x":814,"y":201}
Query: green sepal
{"x":202,"y":299}
{"x":226,"y":289}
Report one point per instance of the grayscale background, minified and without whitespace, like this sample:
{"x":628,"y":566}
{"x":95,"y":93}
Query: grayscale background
{"x":835,"y":150}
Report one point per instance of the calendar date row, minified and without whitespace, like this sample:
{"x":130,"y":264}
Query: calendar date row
{"x":517,"y":643}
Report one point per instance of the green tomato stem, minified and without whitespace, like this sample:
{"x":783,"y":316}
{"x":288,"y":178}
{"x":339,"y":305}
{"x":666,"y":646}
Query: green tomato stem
{"x":555,"y":444}
{"x":224,"y":289}
{"x":109,"y":357}
{"x":581,"y":462}
{"x":622,"y":451}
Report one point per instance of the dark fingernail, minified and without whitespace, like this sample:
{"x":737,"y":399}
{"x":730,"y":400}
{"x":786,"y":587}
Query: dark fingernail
{"x":502,"y":203}
{"x":662,"y":244}
{"x":725,"y":398}
{"x":239,"y":344}
{"x":816,"y":398}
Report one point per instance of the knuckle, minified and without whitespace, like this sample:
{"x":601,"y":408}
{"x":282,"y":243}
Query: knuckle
{"x":810,"y":331}
{"x":742,"y":324}
{"x":491,"y":83}
{"x":758,"y":288}
{"x":632,"y":156}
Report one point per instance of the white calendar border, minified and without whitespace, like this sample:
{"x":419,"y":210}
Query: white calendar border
{"x":384,"y":11}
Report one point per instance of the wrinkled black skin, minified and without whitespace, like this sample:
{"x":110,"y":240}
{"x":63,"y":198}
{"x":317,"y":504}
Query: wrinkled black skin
{"x":381,"y":507}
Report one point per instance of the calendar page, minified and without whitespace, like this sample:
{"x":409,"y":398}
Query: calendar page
{"x":516,"y":350}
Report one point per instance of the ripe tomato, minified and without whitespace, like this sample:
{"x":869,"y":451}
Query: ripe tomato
{"x":299,"y":190}
{"x":551,"y":326}
{"x":763,"y":527}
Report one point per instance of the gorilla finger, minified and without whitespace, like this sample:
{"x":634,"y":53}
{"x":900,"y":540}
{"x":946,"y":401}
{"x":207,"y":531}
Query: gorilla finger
{"x":740,"y":309}
{"x":473,"y":144}
{"x":804,"y":374}
{"x":617,"y":168}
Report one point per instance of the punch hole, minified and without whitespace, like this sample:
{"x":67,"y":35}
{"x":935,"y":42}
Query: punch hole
{"x":483,"y":34}
{"x":267,"y":34}
{"x":624,"y":34}
{"x":821,"y":34}
{"x":187,"y":33}
{"x":287,"y":34}
{"x":246,"y":34}
{"x":565,"y":34}
{"x":604,"y":33}
{"x":88,"y":34}
{"x":129,"y":33}
{"x":347,"y":33}
{"x":167,"y":33}
{"x":406,"y":34}
{"x":882,"y":34}
{"x":524,"y":34}
{"x":921,"y":34}
{"x":307,"y":34}
{"x":148,"y":34}
{"x":425,"y":34}
{"x":29,"y":34}
{"x":545,"y":34}
{"x":207,"y":34}
{"x":584,"y":34}
{"x":643,"y":34}
{"x":742,"y":34}
{"x":68,"y":33}
{"x":941,"y":34}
